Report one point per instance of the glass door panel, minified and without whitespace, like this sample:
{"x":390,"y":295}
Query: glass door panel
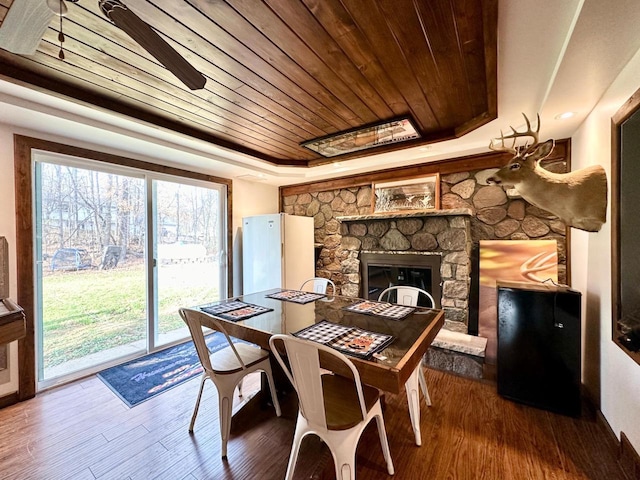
{"x":118,"y":252}
{"x":190,"y":251}
{"x":91,"y":276}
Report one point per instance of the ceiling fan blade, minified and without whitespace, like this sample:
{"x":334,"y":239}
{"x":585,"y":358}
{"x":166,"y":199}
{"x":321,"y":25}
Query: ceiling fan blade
{"x":24,"y":25}
{"x":147,"y":38}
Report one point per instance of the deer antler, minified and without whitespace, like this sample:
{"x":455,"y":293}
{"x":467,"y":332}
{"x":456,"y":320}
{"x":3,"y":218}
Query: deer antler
{"x":503,"y":148}
{"x":515,"y":135}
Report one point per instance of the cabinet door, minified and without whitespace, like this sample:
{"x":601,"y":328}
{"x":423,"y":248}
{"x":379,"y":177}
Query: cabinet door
{"x":539,"y":348}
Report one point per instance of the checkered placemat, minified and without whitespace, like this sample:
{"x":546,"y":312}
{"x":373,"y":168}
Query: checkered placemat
{"x":349,"y":340}
{"x":234,"y":310}
{"x":296,"y":296}
{"x":380,"y":309}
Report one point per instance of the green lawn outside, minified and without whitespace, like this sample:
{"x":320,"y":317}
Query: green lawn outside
{"x":93,"y":310}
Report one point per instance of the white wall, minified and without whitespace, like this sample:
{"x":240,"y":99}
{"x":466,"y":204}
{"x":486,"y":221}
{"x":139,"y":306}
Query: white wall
{"x":8,"y":230}
{"x":249,"y":198}
{"x":609,"y":374}
{"x":7,"y":201}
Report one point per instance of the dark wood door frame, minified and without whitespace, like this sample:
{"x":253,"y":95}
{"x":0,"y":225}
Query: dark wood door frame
{"x":25,"y":262}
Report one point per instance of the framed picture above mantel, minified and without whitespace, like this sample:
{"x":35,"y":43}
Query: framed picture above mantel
{"x":407,"y":195}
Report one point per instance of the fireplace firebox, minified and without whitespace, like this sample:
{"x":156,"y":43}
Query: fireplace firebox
{"x":383,"y":270}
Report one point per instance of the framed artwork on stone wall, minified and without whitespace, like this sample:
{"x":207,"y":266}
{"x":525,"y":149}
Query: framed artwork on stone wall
{"x":407,"y":195}
{"x":528,"y":261}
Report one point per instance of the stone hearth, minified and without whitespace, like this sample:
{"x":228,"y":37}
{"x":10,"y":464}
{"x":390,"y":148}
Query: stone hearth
{"x":434,"y":232}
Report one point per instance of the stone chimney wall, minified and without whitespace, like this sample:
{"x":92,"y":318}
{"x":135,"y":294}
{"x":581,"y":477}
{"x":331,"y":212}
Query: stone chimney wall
{"x":495,"y":215}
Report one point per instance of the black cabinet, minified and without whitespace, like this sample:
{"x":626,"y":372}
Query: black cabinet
{"x":539,"y":346}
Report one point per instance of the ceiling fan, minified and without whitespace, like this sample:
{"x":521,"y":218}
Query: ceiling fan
{"x":34,"y":16}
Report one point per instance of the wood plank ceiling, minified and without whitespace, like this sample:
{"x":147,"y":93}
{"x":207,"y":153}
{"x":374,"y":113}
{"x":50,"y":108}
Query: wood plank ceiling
{"x":281,"y":72}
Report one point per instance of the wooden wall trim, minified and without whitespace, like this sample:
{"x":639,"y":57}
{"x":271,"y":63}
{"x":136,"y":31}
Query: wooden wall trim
{"x":443,"y":167}
{"x":626,"y":110}
{"x":24,"y":265}
{"x":23,"y":147}
{"x":80,"y":152}
{"x":9,"y":400}
{"x":629,"y":459}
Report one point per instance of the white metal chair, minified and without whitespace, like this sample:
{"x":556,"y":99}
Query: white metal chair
{"x":335,"y":408}
{"x":320,"y":285}
{"x":225,"y":368}
{"x":406,"y":295}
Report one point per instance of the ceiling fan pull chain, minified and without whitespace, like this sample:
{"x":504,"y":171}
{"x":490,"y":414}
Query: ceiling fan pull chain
{"x":61,"y":35}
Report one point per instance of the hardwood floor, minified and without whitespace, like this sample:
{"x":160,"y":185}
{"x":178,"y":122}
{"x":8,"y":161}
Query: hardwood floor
{"x":83,"y":431}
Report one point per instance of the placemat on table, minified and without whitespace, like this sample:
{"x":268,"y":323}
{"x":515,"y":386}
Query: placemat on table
{"x":380,"y":309}
{"x":235,"y":310}
{"x":350,"y":340}
{"x":296,"y":296}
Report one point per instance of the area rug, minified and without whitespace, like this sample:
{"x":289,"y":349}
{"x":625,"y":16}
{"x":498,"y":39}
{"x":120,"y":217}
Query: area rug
{"x":146,"y":377}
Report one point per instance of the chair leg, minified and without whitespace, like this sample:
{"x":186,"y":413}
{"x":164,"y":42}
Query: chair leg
{"x":382,"y":432}
{"x":295,"y":448}
{"x":225,"y":408}
{"x":413,"y":398}
{"x":345,"y":460}
{"x":195,"y":410}
{"x":423,"y":386}
{"x":272,"y":389}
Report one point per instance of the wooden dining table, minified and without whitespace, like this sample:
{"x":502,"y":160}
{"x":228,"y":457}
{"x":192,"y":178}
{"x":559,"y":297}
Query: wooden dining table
{"x":387,"y":370}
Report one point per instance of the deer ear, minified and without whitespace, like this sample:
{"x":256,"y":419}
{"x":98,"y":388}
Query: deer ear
{"x":542,"y":151}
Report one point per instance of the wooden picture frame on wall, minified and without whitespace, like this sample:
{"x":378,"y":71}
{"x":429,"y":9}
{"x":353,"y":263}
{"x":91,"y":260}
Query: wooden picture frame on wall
{"x":625,"y":229}
{"x":406,"y":195}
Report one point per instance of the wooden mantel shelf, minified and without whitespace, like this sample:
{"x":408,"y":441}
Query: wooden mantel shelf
{"x":12,"y":322}
{"x":409,"y":214}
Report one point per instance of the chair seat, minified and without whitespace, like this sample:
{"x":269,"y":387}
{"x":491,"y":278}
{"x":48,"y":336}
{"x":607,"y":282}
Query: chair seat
{"x":342,"y":408}
{"x":226,"y":362}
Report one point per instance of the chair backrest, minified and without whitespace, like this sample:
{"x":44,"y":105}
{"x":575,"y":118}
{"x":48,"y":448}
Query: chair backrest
{"x":319,"y":285}
{"x":406,"y":295}
{"x":195,"y":320}
{"x":304,"y":373}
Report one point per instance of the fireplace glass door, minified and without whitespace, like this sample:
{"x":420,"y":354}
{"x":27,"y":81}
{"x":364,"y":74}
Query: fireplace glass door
{"x":380,"y":271}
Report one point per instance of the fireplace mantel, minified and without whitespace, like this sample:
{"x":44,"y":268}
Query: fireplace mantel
{"x":408,"y":214}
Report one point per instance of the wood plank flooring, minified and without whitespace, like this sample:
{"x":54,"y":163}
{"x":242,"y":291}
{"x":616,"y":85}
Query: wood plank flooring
{"x":83,"y":431}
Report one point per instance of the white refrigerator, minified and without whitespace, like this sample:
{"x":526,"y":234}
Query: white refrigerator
{"x":277,"y":252}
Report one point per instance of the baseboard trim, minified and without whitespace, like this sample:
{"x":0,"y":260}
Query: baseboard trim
{"x":629,"y":459}
{"x":8,"y":400}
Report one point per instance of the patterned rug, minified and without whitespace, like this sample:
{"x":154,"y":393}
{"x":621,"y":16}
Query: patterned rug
{"x":145,"y":377}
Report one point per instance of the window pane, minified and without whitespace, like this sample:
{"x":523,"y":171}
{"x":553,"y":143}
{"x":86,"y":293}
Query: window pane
{"x":189,"y":223}
{"x":92,"y":293}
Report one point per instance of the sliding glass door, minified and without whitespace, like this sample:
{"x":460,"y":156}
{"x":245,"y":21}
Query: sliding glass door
{"x":118,"y":251}
{"x":190,"y":252}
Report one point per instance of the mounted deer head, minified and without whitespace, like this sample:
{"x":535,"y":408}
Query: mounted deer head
{"x":578,"y":198}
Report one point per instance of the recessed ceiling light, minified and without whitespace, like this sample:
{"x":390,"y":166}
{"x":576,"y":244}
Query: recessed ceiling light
{"x":564,"y":116}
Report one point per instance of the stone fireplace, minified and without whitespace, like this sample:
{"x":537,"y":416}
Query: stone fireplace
{"x":445,"y":234}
